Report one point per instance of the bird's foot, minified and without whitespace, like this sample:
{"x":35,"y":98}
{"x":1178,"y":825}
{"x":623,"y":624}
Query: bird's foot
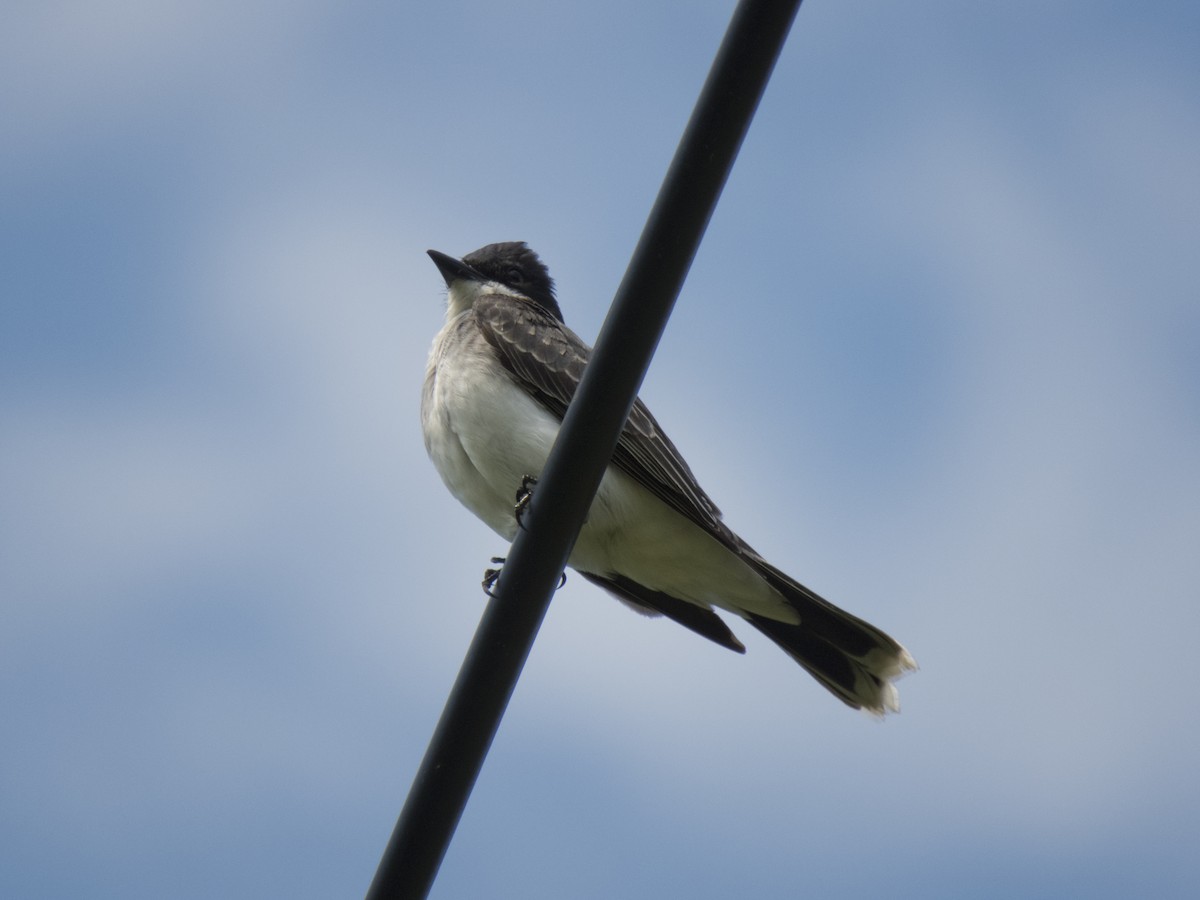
{"x":524,"y":495}
{"x":491,"y":576}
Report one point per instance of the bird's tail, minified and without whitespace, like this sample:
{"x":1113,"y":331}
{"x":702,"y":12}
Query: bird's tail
{"x":853,"y":659}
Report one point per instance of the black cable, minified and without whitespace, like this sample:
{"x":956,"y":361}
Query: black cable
{"x":584,"y":446}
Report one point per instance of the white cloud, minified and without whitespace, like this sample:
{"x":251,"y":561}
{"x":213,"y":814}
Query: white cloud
{"x":71,"y":64}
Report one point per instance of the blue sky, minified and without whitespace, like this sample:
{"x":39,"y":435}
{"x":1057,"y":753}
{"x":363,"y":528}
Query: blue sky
{"x":937,"y":357}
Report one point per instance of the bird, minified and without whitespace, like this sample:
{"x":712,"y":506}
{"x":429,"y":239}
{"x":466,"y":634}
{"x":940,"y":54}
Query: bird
{"x":500,"y":374}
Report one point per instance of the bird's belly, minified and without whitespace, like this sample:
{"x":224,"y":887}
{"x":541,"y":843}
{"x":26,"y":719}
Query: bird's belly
{"x":632,"y":533}
{"x":484,"y":437}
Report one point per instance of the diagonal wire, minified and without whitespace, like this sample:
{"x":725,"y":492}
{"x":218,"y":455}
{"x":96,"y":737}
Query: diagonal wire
{"x":584,"y":446}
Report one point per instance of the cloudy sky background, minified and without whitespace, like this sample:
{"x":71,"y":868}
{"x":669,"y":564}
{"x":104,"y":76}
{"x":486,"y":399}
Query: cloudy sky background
{"x":938,"y":356}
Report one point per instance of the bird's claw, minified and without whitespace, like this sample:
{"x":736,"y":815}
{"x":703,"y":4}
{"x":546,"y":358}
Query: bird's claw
{"x":524,"y":495}
{"x":491,"y":576}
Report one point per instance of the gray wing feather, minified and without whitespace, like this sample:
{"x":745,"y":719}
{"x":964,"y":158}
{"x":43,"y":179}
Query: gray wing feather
{"x":548,"y":359}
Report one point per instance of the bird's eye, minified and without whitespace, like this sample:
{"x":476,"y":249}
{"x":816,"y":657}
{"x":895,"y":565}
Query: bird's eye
{"x":514,"y":274}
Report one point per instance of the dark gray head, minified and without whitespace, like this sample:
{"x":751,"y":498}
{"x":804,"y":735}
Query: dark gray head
{"x":510,"y":263}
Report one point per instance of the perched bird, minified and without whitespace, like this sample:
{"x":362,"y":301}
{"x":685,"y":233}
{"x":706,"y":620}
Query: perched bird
{"x":500,"y":375}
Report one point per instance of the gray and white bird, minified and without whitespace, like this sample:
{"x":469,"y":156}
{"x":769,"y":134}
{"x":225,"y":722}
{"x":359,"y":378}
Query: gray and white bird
{"x":501,"y":373}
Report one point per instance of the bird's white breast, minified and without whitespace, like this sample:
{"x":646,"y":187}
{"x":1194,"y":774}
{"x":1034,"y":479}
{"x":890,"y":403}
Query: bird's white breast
{"x":483,"y":433}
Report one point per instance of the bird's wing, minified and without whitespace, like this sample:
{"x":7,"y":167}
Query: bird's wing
{"x":547,"y":359}
{"x":699,"y":619}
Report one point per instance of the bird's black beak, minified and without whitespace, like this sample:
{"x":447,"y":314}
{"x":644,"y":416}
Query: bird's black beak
{"x":453,"y":269}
